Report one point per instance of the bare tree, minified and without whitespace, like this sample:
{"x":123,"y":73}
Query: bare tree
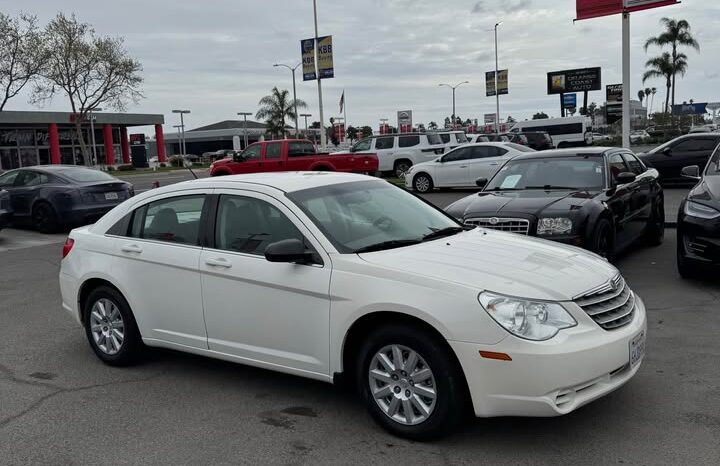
{"x":21,"y":54}
{"x":90,"y":71}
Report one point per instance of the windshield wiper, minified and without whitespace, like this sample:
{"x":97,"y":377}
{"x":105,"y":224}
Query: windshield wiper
{"x":550,"y":186}
{"x":442,"y":232}
{"x":395,"y":243}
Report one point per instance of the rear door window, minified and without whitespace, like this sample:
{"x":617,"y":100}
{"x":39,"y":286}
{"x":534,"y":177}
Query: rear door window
{"x":272,"y":150}
{"x":408,"y":141}
{"x":461,"y":138}
{"x":300,"y":149}
{"x":458,"y":154}
{"x":434,"y":139}
{"x":445,"y":137}
{"x":385,"y":143}
{"x":175,"y":220}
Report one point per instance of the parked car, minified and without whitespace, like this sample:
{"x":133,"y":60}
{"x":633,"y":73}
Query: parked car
{"x":698,"y":224}
{"x":53,"y":196}
{"x":460,"y":167}
{"x":5,"y":209}
{"x":396,"y":153}
{"x":292,"y":155}
{"x":473,"y":138}
{"x":538,"y":140}
{"x":565,"y":132}
{"x":343,"y":277}
{"x":494,"y":137}
{"x":691,"y":149}
{"x":639,"y":136}
{"x":601,"y":137}
{"x":703,"y":129}
{"x":600,"y":199}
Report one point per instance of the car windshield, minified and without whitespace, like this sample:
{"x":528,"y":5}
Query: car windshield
{"x":84,"y":175}
{"x":371,"y":215}
{"x":578,"y":172}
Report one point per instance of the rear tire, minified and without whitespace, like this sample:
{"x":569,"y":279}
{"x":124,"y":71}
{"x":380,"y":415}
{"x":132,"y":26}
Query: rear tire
{"x":44,"y":218}
{"x":401,"y":167}
{"x":418,"y":400}
{"x":110,"y":327}
{"x":422,"y":183}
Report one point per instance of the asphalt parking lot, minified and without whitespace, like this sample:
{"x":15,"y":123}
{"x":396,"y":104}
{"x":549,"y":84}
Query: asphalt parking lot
{"x":60,"y":405}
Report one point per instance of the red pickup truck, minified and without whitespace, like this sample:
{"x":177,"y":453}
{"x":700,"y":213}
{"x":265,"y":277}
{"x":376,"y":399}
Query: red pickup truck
{"x":292,"y":155}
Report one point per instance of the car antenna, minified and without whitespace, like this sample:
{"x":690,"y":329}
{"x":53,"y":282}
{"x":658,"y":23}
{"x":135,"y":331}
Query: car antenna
{"x":188,"y":165}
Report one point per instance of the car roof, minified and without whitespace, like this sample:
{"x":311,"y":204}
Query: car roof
{"x":283,"y":181}
{"x":579,"y":151}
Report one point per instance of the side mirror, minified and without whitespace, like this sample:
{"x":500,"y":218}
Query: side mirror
{"x":288,"y":250}
{"x":481,"y":182}
{"x":692,"y":171}
{"x":667,"y":151}
{"x":626,"y":177}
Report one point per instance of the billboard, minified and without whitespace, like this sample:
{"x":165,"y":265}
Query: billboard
{"x":489,"y":118}
{"x":587,"y":9}
{"x":580,"y":80}
{"x":404,"y":119}
{"x":614,"y":93}
{"x":307,"y":51}
{"x":325,"y":57}
{"x":689,"y":109}
{"x":490,"y":82}
{"x":569,"y":100}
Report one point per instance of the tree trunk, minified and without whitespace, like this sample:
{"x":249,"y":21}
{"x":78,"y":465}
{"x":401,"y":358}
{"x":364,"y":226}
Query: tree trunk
{"x":674,"y":60}
{"x":87,"y":157}
{"x":667,"y":97}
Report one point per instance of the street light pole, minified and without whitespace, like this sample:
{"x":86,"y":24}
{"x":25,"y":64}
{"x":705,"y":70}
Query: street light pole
{"x":497,"y":91}
{"x":245,"y":136}
{"x":292,"y":69}
{"x":179,"y":137}
{"x":453,"y":98}
{"x":323,"y":136}
{"x":306,"y":115}
{"x":182,"y":127}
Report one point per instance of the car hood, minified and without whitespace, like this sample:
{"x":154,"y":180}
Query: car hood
{"x":528,"y":202}
{"x":502,"y":262}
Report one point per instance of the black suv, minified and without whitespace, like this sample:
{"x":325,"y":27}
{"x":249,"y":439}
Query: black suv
{"x":538,"y":140}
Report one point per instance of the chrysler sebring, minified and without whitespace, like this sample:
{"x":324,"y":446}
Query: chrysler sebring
{"x":342,"y":277}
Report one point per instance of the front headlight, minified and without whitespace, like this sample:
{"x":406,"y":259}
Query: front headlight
{"x":554,"y":226}
{"x":533,"y":320}
{"x":694,"y":209}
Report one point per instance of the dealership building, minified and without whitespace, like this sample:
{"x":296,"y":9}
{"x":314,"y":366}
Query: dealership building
{"x":41,"y":138}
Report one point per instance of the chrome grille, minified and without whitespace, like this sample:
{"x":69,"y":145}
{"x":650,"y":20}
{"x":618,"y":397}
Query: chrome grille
{"x":512,"y":225}
{"x":611,"y":306}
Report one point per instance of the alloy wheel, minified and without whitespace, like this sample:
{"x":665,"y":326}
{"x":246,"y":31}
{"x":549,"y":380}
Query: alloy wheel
{"x":107,"y":326}
{"x":402,"y":384}
{"x":422,"y":184}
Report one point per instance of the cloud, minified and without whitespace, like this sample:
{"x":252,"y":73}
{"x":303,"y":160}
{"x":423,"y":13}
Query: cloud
{"x":479,"y":7}
{"x":503,"y":8}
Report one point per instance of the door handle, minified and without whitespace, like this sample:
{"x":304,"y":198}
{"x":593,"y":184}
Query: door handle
{"x":131,"y":248}
{"x":494,"y":163}
{"x":219,"y":262}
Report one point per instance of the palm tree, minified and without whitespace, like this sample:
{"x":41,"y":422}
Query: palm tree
{"x":276,"y":108}
{"x":676,"y":33}
{"x":661,"y":67}
{"x":641,"y":95}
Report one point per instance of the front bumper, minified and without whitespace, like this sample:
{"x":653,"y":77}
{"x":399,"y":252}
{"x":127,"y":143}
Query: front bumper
{"x":550,"y":378}
{"x":699,"y":239}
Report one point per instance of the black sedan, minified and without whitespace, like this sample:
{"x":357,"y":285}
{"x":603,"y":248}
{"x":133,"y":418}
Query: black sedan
{"x":598,"y":198}
{"x":698,"y":226}
{"x":669,"y":158}
{"x":54,"y":196}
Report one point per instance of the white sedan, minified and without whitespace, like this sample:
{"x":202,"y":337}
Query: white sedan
{"x":460,"y":167}
{"x":346,"y":277}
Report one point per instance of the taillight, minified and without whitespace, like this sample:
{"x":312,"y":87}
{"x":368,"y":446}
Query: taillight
{"x":67,"y":247}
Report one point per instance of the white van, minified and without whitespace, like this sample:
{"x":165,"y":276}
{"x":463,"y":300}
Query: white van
{"x":565,"y":132}
{"x":398,"y":152}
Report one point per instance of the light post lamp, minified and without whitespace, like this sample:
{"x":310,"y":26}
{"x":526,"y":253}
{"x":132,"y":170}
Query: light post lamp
{"x":245,"y":137}
{"x":179,"y":127}
{"x":182,"y":127}
{"x":92,"y":130}
{"x":453,"y":97}
{"x":497,"y":91}
{"x":292,"y":69}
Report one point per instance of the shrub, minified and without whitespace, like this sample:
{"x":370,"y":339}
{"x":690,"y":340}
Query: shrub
{"x":125,"y":168}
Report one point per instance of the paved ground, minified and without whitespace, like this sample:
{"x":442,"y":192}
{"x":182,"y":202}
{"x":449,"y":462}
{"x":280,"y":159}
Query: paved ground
{"x":59,"y":405}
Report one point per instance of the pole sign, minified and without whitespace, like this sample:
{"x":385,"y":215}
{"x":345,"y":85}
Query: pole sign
{"x":489,"y":118}
{"x":307,"y":50}
{"x":689,"y":109}
{"x":502,"y":82}
{"x":137,"y":139}
{"x":613,"y":103}
{"x":569,"y":100}
{"x":325,"y":57}
{"x":404,"y":118}
{"x":580,"y":80}
{"x":587,"y":9}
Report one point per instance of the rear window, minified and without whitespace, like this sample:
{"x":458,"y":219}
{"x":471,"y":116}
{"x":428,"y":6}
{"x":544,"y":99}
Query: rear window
{"x":434,"y":138}
{"x":86,"y":175}
{"x":461,"y":137}
{"x":409,"y":141}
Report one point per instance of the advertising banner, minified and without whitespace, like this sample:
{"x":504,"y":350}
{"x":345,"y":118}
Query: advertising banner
{"x":307,"y":50}
{"x":580,"y":80}
{"x":325,"y":57}
{"x":490,"y":82}
{"x":569,"y":100}
{"x":587,"y":9}
{"x":614,"y":93}
{"x":690,"y":109}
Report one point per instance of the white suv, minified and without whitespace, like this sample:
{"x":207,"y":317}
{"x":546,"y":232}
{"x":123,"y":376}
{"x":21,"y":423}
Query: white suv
{"x":398,"y":152}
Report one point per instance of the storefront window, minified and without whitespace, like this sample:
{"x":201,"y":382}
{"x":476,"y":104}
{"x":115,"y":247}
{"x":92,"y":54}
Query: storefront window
{"x":118,"y":155}
{"x":79,"y":158}
{"x":28,"y":156}
{"x":66,"y":136}
{"x":9,"y":158}
{"x":44,"y":155}
{"x":42,"y":137}
{"x":26,"y":137}
{"x":8,"y":137}
{"x":66,"y":156}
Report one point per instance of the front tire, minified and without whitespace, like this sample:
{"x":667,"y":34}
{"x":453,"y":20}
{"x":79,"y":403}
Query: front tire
{"x":422,"y":183}
{"x":44,"y":218}
{"x":110,"y":327}
{"x":410,"y":382}
{"x":603,"y":241}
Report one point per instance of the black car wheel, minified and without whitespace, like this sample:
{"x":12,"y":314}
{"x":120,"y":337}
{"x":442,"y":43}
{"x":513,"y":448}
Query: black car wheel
{"x":603,"y":241}
{"x":655,"y":230}
{"x":402,"y":167}
{"x":44,"y":218}
{"x":422,"y":183}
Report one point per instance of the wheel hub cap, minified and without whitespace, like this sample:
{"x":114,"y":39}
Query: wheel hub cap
{"x":106,"y":326}
{"x":402,"y":384}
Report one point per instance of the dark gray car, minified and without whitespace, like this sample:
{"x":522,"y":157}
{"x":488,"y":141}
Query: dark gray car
{"x":5,"y":209}
{"x":54,"y":196}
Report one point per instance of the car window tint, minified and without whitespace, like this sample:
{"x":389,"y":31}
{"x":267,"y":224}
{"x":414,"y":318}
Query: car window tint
{"x":8,"y":179}
{"x":272,"y":150}
{"x":28,"y":179}
{"x":408,"y":141}
{"x":249,"y":225}
{"x":384,"y":143}
{"x":445,"y":138}
{"x":300,"y":149}
{"x":362,"y":145}
{"x":617,"y":165}
{"x":481,"y":152}
{"x":462,"y":138}
{"x":458,"y":154}
{"x":252,"y":152}
{"x":176,"y":220}
{"x":434,"y":138}
{"x":695,"y":144}
{"x":634,"y":164}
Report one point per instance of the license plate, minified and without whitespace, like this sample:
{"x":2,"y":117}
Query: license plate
{"x":110,"y":196}
{"x":637,"y":348}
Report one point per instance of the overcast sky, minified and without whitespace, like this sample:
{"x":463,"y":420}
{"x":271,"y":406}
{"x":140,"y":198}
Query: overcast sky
{"x":215,"y":57}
